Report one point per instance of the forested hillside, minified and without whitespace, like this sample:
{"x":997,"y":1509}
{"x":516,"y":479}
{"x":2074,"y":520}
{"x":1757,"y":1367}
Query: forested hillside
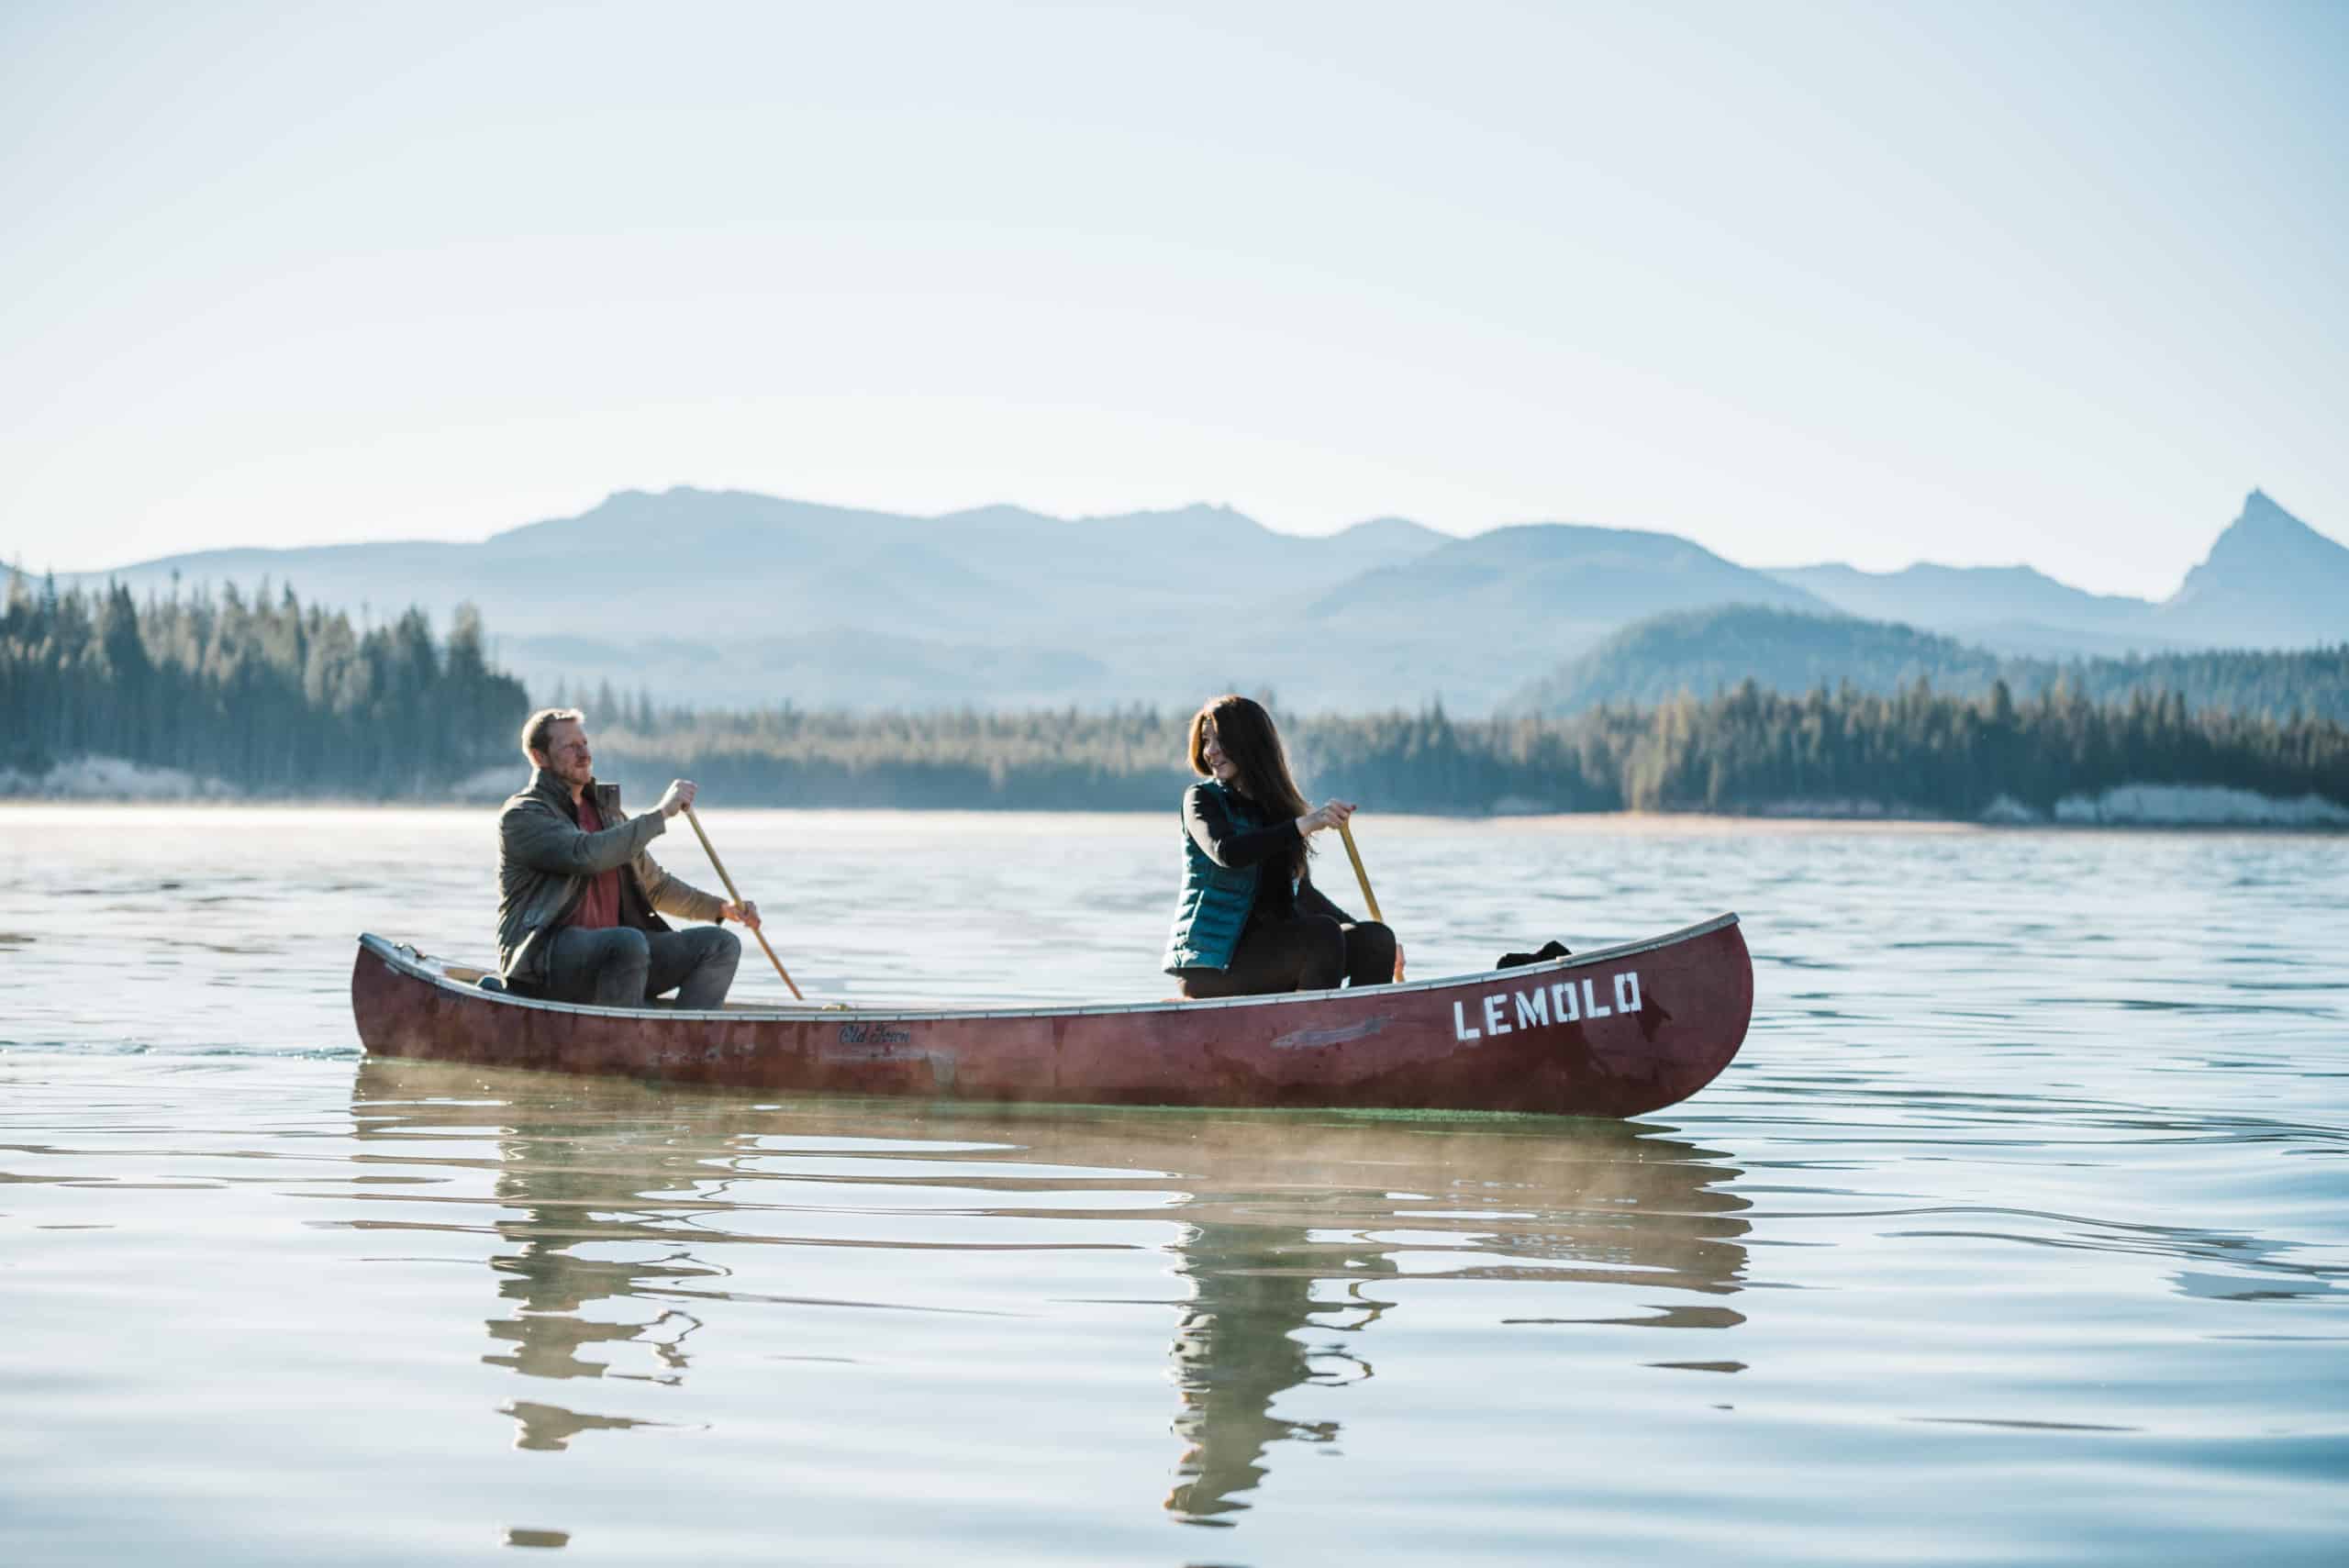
{"x":1746,"y":750}
{"x":266,"y":694}
{"x":1704,"y":652}
{"x":275,"y":697}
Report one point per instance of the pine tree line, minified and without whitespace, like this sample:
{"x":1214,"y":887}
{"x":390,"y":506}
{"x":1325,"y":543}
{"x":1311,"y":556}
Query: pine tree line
{"x":1709,"y":651}
{"x":281,"y":698}
{"x":264,"y":692}
{"x":1746,"y":750}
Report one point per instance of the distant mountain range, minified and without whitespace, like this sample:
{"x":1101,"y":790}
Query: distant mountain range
{"x":728,"y":599}
{"x":2270,"y":580}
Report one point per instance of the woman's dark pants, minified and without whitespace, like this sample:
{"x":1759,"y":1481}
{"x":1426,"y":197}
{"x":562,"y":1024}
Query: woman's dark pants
{"x":623,"y":967}
{"x":1305,"y":952}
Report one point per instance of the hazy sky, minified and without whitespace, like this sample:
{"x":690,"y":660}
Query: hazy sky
{"x":2051,"y":283}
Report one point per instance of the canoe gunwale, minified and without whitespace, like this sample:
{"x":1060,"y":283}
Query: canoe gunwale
{"x":424,"y":967}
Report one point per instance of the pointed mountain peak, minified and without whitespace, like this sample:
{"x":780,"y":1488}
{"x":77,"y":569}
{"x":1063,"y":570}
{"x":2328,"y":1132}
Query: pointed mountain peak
{"x":2260,"y":511}
{"x":2270,"y":580}
{"x":2267,"y":533}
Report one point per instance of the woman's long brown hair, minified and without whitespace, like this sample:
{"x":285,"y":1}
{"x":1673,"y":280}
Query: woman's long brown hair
{"x":1245,"y":732}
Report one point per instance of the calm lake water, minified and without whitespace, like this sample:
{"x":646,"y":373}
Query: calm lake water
{"x":2019,"y":1232}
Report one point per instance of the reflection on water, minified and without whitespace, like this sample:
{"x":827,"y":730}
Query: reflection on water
{"x":616,"y":1207}
{"x":573,"y":1173}
{"x":1238,"y":1349}
{"x":554,"y":1174}
{"x":1278,"y":1302}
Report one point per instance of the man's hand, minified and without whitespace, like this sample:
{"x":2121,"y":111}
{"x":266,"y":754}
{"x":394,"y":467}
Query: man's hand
{"x":1398,"y":963}
{"x":745,"y":913}
{"x":680,"y":795}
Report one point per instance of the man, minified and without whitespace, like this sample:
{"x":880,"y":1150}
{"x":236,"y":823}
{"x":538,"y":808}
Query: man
{"x":579,"y":901}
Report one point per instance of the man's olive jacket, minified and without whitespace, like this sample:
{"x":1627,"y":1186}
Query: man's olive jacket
{"x":545,"y":861}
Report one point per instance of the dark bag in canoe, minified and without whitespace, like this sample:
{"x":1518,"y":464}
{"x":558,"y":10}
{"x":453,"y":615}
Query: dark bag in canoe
{"x":1549,"y":949}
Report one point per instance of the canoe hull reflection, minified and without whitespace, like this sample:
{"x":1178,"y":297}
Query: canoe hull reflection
{"x":1617,"y":1032}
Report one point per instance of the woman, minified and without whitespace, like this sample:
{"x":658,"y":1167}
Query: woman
{"x":1250,"y":920}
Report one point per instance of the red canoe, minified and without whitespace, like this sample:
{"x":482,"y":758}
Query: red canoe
{"x":1620,"y":1031}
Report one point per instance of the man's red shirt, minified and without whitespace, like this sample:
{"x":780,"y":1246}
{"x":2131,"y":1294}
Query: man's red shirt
{"x":600,"y":907}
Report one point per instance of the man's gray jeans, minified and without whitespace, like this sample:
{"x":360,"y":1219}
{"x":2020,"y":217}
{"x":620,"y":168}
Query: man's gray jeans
{"x":621,"y":967}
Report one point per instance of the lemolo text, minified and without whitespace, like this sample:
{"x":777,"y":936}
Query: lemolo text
{"x":1560,"y":1002}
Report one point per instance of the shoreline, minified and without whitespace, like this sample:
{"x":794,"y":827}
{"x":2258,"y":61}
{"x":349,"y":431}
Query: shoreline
{"x":1656,"y":823}
{"x":97,"y":781}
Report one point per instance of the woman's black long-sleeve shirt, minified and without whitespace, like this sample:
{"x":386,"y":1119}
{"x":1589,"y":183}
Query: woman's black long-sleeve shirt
{"x":1228,"y":843}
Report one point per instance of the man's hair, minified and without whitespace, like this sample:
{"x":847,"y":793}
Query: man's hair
{"x":535,"y":727}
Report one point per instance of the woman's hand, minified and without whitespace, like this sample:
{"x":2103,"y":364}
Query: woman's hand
{"x":1328,"y":814}
{"x":1398,"y":963}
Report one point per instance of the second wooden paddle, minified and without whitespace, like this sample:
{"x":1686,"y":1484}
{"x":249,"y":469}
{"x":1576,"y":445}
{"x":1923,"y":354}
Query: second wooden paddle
{"x":1346,"y":832}
{"x":737,"y":898}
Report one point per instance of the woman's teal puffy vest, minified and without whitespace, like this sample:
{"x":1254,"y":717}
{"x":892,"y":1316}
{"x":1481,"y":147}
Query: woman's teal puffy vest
{"x":1215,"y":902}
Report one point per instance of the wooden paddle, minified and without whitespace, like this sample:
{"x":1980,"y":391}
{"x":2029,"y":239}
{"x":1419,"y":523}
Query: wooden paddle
{"x":737,"y":898}
{"x":1346,"y":831}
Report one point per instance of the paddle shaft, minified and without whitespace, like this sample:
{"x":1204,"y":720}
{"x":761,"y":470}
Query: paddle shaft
{"x":737,"y":898}
{"x":1346,"y":832}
